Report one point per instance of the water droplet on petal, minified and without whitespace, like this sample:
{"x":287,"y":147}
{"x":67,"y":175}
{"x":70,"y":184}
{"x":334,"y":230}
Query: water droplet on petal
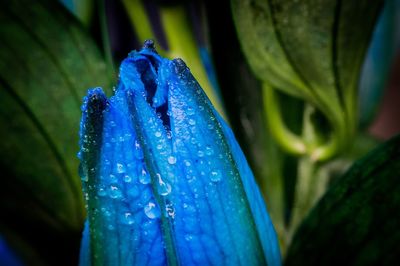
{"x":127,"y":218}
{"x":192,"y":122}
{"x":215,"y":175}
{"x":120,"y":168}
{"x":151,"y":210}
{"x":171,"y":160}
{"x":114,"y":192}
{"x":190,"y":111}
{"x":170,"y":210}
{"x":163,"y":188}
{"x":101,"y":192}
{"x":188,"y":237}
{"x":127,"y":178}
{"x":144,"y":178}
{"x":209,"y":150}
{"x":157,"y":134}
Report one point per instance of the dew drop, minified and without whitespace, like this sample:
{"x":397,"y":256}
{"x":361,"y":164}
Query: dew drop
{"x":171,"y":160}
{"x":190,"y":111}
{"x":120,"y":168}
{"x":157,"y":134}
{"x":101,"y":192}
{"x":192,"y":122}
{"x":151,"y":210}
{"x":163,"y":188}
{"x":127,"y":218}
{"x":82,"y":174}
{"x":188,"y":237}
{"x":170,"y":210}
{"x":144,"y":178}
{"x":209,"y":150}
{"x":113,"y":179}
{"x":127,"y":178}
{"x":215,"y":175}
{"x":114,"y":192}
{"x":138,"y":151}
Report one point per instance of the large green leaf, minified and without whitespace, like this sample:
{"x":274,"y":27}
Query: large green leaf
{"x":46,"y":64}
{"x":357,"y":221}
{"x":311,"y":49}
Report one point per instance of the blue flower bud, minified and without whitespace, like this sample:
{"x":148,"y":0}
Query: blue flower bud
{"x":164,"y":179}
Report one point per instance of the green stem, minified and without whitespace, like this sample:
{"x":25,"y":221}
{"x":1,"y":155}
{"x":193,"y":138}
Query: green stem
{"x":295,"y":144}
{"x":311,"y":181}
{"x":289,"y":141}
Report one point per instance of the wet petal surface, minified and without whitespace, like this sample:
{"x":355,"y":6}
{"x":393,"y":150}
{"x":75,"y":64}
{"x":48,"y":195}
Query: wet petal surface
{"x":165,"y":181}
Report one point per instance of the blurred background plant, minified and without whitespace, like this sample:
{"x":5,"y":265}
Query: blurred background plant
{"x":300,"y":82}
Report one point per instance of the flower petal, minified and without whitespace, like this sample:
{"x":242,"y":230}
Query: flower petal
{"x":197,"y":202}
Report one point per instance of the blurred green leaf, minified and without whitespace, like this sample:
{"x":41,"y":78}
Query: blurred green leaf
{"x":46,"y":65}
{"x":310,"y":49}
{"x":356,"y":222}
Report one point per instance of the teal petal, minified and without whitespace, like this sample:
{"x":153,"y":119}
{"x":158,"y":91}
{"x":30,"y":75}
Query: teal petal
{"x":166,"y":158}
{"x":379,"y":59}
{"x":7,"y":255}
{"x":84,"y":257}
{"x":263,"y":222}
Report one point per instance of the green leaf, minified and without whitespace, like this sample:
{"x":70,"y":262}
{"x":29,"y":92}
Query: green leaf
{"x":356,"y":222}
{"x":310,"y":49}
{"x":46,"y":65}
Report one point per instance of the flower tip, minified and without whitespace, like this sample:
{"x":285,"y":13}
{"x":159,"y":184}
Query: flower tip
{"x":95,"y":101}
{"x":149,"y":44}
{"x":179,"y":65}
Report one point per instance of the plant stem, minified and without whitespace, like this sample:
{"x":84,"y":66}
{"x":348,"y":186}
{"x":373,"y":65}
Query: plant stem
{"x":311,"y":182}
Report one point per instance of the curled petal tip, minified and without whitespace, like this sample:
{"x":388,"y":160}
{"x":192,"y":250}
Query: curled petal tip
{"x":179,"y":65}
{"x":149,"y":44}
{"x":95,"y":101}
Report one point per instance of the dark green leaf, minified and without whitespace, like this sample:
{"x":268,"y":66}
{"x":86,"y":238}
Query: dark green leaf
{"x":46,"y":65}
{"x":357,"y":221}
{"x":311,"y":49}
